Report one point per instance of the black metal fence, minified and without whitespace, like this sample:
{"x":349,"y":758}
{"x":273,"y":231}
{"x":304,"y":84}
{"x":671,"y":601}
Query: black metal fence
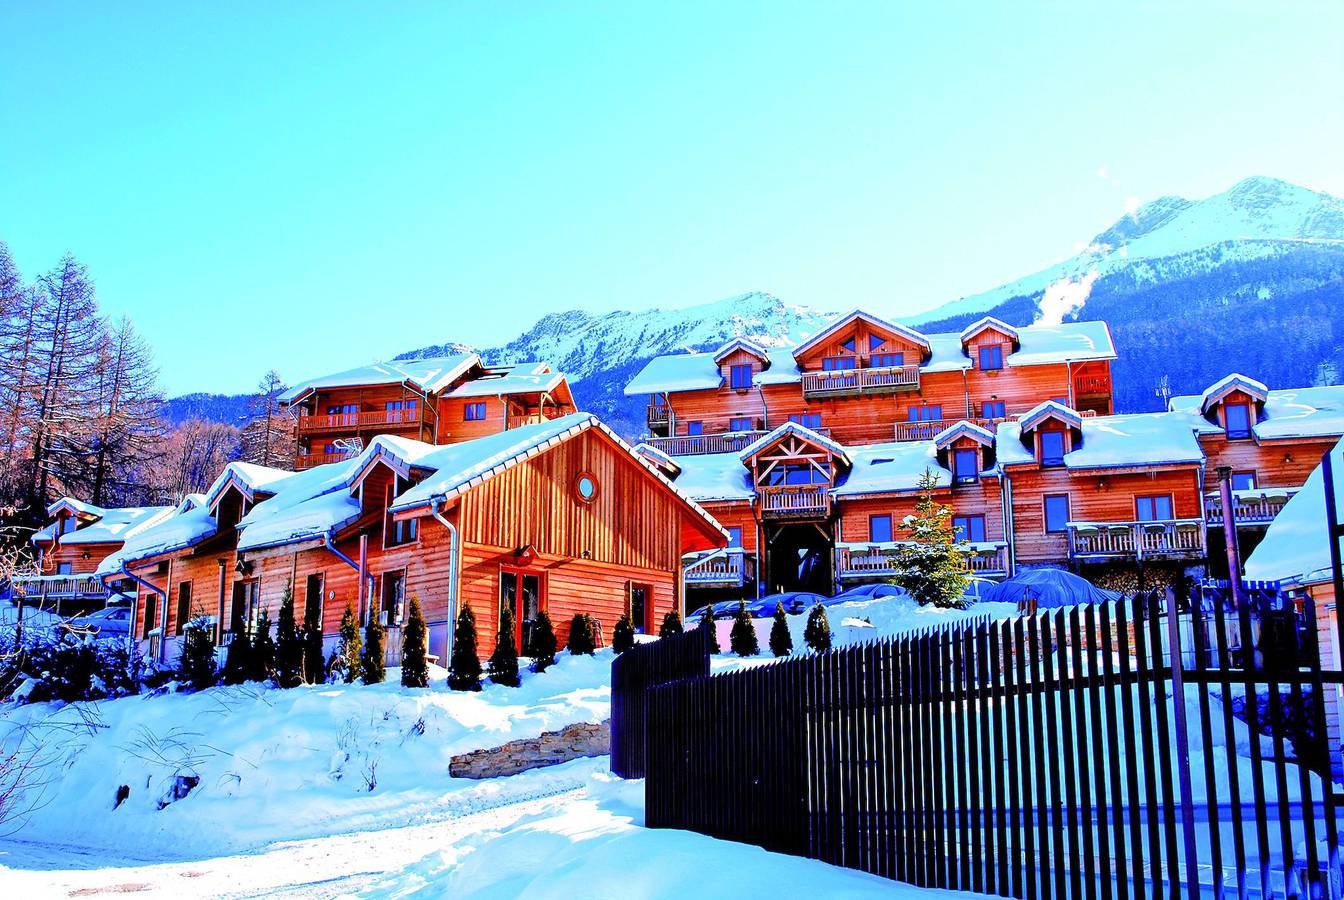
{"x":1092,"y":751}
{"x":632,"y":674}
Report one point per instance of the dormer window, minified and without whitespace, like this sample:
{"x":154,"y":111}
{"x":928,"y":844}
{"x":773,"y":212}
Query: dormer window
{"x":739,"y":377}
{"x":991,"y":357}
{"x":1237,"y":421}
{"x":966,"y":466}
{"x":1052,"y":448}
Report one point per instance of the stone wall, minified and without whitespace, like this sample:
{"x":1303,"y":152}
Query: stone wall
{"x":550,"y":749}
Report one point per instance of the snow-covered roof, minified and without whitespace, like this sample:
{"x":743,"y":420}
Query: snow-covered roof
{"x":1037,"y":345}
{"x":988,"y":322}
{"x":310,"y":504}
{"x":78,"y":507}
{"x":847,"y":320}
{"x":1234,"y":382}
{"x":708,"y":477}
{"x":1314,"y":412}
{"x":1049,"y":409}
{"x":117,"y":525}
{"x":524,"y":378}
{"x":250,"y":479}
{"x":1296,"y":547}
{"x":1126,"y":441}
{"x":744,"y":344}
{"x":430,"y":374}
{"x":958,"y":430}
{"x":896,"y":466}
{"x":793,"y":428}
{"x":189,"y":524}
{"x":659,"y":458}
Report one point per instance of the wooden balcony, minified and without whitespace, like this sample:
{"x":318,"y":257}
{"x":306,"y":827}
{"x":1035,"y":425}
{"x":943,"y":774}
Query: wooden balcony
{"x":721,"y":442}
{"x":1165,"y":539}
{"x":858,"y":561}
{"x":659,"y":416}
{"x":853,"y":382}
{"x":377,"y":418}
{"x":536,"y":417}
{"x":925,"y":431}
{"x":310,"y":460}
{"x":36,"y":588}
{"x":1250,"y":508}
{"x":1092,"y":386}
{"x":729,"y":568}
{"x":802,"y":501}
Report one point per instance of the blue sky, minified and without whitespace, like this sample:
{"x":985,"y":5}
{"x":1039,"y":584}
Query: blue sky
{"x":314,"y":186}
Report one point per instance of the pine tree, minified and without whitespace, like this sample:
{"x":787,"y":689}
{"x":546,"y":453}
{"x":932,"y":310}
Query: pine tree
{"x":707,"y":626}
{"x":743,"y":636}
{"x":543,"y":644}
{"x":345,"y":664}
{"x":781,"y":641}
{"x":582,"y":636}
{"x":623,"y":635}
{"x":263,"y":650}
{"x":817,"y":634}
{"x":238,"y":660}
{"x":464,"y":669}
{"x":372,"y":659}
{"x":930,"y":566}
{"x":314,"y":668}
{"x":288,"y":645}
{"x":503,"y":665}
{"x":196,"y":665}
{"x":671,"y":624}
{"x":415,"y":648}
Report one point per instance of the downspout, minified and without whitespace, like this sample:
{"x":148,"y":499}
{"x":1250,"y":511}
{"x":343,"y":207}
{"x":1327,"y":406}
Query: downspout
{"x":144,"y":584}
{"x":454,"y":552}
{"x":329,"y":544}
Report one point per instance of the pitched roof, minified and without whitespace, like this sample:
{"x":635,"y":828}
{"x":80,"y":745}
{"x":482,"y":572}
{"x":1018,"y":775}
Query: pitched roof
{"x":663,"y":460}
{"x":108,"y":525}
{"x":847,"y":320}
{"x":430,"y":374}
{"x":747,"y":346}
{"x":1113,"y":442}
{"x":1296,"y":547}
{"x":1049,"y":409}
{"x":1314,"y":412}
{"x":249,"y":478}
{"x":961,"y":429}
{"x":523,"y":378}
{"x":891,"y":467}
{"x":1234,"y":382}
{"x":987,"y":322}
{"x":189,"y":523}
{"x":793,"y":428}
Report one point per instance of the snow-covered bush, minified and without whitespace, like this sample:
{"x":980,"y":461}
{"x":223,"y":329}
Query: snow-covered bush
{"x":542,"y":644}
{"x":196,"y":665}
{"x":930,"y":565}
{"x":623,"y":635}
{"x":372,"y":659}
{"x":344,"y":665}
{"x":743,"y":636}
{"x":464,"y":669}
{"x":503,"y":666}
{"x":68,"y":667}
{"x":817,"y":635}
{"x":582,"y":635}
{"x":671,"y":624}
{"x":415,"y":648}
{"x":781,"y":641}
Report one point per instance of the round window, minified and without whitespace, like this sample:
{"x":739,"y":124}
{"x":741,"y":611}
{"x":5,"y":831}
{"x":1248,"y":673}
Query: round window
{"x":586,"y":485}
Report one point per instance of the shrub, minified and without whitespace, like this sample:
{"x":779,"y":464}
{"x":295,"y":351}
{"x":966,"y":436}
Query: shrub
{"x":623,"y":635}
{"x":503,"y":666}
{"x":707,"y":626}
{"x":263,"y":650}
{"x":817,"y":634}
{"x":930,"y":566}
{"x":671,"y":624}
{"x":542,"y":644}
{"x":781,"y":641}
{"x":67,"y":667}
{"x":372,"y":659}
{"x":415,"y":648}
{"x":743,"y":636}
{"x":196,"y":665}
{"x":582,"y":635}
{"x":345,"y":658}
{"x":464,"y":669}
{"x":288,"y":645}
{"x":238,"y":659}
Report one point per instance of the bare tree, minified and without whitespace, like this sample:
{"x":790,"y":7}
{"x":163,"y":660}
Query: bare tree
{"x":268,"y":438}
{"x":190,"y":457}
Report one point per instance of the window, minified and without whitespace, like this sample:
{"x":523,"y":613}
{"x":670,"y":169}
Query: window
{"x":183,"y":606}
{"x":474,"y":412}
{"x":68,"y":524}
{"x":396,"y":533}
{"x":586,"y":487}
{"x":807,"y":420}
{"x":522,"y":593}
{"x":837,"y":363}
{"x":65,"y":568}
{"x":993,"y":409}
{"x":888,"y":359}
{"x":933,"y":413}
{"x":343,"y":409}
{"x":1237,"y":420}
{"x":695,"y":428}
{"x":399,"y":404}
{"x":394,"y":595}
{"x":991,"y":357}
{"x":848,"y":344}
{"x":151,"y":600}
{"x":735,"y":536}
{"x":879,"y":529}
{"x":740,"y":377}
{"x":875,"y":341}
{"x":740,"y":423}
{"x":1153,"y":509}
{"x":313,"y":589}
{"x":1056,"y":513}
{"x":798,"y":474}
{"x":639,"y":606}
{"x":969,"y":528}
{"x":1243,"y":481}
{"x":400,"y":410}
{"x":1052,"y":448}
{"x":966,"y":466}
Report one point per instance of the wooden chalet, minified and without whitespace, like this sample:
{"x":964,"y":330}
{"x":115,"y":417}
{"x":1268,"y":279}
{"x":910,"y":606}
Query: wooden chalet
{"x":436,"y":400}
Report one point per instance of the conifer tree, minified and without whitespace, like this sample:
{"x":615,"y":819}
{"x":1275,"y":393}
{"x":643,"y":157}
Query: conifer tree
{"x":503,"y":665}
{"x":582,"y":635}
{"x":464,"y":669}
{"x":743,"y":636}
{"x":263,"y":650}
{"x":671,"y":624}
{"x":288,"y":645}
{"x":623,"y":635}
{"x":707,"y":626}
{"x":817,"y":634}
{"x":542,"y":645}
{"x":930,"y":566}
{"x":238,"y":659}
{"x":415,"y":648}
{"x":372,"y":659}
{"x":781,"y":641}
{"x":314,"y":669}
{"x":345,"y":664}
{"x":196,"y":665}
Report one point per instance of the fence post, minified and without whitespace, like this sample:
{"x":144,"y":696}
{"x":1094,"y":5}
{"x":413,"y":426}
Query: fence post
{"x":1182,"y":748}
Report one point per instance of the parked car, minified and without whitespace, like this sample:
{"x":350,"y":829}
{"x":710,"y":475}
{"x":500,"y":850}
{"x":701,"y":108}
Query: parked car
{"x":108,"y":622}
{"x":794,"y":602}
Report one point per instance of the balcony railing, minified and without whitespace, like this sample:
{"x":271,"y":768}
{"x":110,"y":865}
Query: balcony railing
{"x":309,"y":460}
{"x":1136,"y":540}
{"x":659,"y":415}
{"x":733,"y":567}
{"x":855,"y":561}
{"x":803,"y":501}
{"x":64,"y":587}
{"x":1249,"y":507}
{"x":721,"y":442}
{"x":846,"y":382}
{"x":925,"y":431}
{"x":1091,"y":385}
{"x":536,"y":417}
{"x":376,"y":418}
